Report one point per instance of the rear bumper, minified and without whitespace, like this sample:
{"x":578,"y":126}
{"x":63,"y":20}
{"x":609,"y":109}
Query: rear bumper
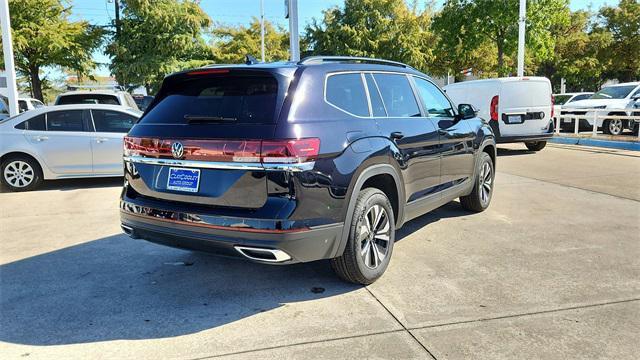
{"x":198,"y":232}
{"x":500,"y":139}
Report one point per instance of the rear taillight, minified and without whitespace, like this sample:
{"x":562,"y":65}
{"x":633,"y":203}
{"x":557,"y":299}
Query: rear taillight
{"x":553,"y":102}
{"x":494,"y":108}
{"x":267,"y":151}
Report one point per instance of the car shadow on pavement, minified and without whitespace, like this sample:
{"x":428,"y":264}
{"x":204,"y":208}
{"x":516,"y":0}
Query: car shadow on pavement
{"x":449,"y":210}
{"x":119,"y":288}
{"x":74,"y":184}
{"x":512,"y":152}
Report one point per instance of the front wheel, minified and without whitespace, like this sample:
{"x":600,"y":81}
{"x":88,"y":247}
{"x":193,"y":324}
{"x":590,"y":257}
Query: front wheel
{"x":612,"y":127}
{"x":480,"y":197}
{"x":370,"y":241}
{"x":535,"y":145}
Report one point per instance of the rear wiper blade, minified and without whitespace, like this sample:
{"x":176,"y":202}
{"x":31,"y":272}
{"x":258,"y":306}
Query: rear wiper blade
{"x":204,"y":118}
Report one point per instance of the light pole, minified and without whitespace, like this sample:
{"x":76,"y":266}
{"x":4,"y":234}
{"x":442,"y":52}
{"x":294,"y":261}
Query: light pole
{"x":262,"y":28}
{"x":522,"y":23}
{"x":9,"y":66}
{"x":294,"y":41}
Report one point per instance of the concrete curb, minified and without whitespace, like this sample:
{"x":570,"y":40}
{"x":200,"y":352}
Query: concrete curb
{"x":622,"y":145}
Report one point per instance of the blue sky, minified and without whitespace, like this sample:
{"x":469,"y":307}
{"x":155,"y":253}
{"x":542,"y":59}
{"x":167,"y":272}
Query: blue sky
{"x":101,"y":12}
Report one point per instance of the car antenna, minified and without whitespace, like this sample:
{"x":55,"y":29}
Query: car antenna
{"x":250,"y":60}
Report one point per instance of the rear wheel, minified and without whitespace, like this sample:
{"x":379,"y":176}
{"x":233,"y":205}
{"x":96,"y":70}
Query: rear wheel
{"x":535,"y":145}
{"x":21,"y":173}
{"x":612,"y":127}
{"x":480,"y":197}
{"x":371,"y":239}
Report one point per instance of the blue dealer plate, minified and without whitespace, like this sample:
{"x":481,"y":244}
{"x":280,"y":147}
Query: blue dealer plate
{"x":183,"y":179}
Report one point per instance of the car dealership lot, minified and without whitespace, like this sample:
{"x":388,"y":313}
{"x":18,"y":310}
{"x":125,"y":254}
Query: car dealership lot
{"x":550,"y":270}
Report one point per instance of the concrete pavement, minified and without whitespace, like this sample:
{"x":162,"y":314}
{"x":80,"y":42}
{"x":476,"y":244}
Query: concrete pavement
{"x":550,"y":270}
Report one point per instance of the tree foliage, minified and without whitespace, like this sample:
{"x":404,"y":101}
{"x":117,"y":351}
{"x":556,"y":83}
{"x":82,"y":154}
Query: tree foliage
{"x":388,"y":29}
{"x":623,"y":24}
{"x":232,"y":43}
{"x":44,"y":36}
{"x":466,"y":25}
{"x":158,"y":37}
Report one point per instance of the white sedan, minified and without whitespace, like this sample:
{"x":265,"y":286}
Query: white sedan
{"x":60,"y":142}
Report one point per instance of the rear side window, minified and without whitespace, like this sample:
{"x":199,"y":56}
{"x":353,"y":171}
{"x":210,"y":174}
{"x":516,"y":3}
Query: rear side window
{"x":70,"y":120}
{"x":433,"y":100}
{"x":112,"y":121}
{"x":397,"y":95}
{"x":22,"y":105}
{"x":346,"y":92}
{"x":88,"y":99}
{"x":35,"y":124}
{"x":227,"y":99}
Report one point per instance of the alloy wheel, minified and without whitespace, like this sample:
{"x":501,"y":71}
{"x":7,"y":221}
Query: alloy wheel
{"x":615,"y":126}
{"x":375,"y":230}
{"x":486,"y":182}
{"x":19,"y":174}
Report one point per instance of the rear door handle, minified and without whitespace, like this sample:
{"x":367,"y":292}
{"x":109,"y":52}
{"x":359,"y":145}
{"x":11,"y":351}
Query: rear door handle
{"x":41,"y":138}
{"x":397,"y":135}
{"x":101,"y":140}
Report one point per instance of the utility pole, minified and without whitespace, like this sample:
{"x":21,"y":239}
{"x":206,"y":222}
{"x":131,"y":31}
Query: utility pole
{"x":262,"y":28}
{"x":117,"y":4}
{"x":7,"y":48}
{"x":521,"y":32}
{"x":294,"y":41}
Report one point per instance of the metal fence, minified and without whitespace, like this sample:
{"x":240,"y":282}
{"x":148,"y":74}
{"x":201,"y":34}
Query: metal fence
{"x":594,"y":116}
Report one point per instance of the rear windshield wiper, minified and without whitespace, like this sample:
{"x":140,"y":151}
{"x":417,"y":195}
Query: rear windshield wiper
{"x":204,"y":118}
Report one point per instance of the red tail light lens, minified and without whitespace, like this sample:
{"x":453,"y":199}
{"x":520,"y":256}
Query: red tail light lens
{"x":290,"y":151}
{"x":553,"y":102}
{"x":494,"y":108}
{"x":277,"y":151}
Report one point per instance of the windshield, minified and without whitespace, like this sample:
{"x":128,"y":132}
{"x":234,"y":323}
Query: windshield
{"x":614,"y":92}
{"x":231,"y":98}
{"x":561,"y":99}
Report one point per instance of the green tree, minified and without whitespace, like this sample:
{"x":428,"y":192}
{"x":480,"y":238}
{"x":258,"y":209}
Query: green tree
{"x":388,"y":29}
{"x":158,"y":37}
{"x":466,"y":25}
{"x":232,"y":43}
{"x":623,"y":23}
{"x":44,"y":36}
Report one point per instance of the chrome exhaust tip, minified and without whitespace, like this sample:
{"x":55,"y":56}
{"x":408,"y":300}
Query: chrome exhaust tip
{"x":265,"y":255}
{"x":128,"y":230}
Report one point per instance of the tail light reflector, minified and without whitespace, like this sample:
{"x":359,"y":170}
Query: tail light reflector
{"x":553,"y":102}
{"x":494,"y":108}
{"x":290,"y":151}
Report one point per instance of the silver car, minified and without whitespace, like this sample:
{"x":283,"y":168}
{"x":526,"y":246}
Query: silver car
{"x":59,"y":142}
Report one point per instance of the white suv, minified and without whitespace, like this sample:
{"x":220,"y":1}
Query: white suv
{"x":615,"y":97}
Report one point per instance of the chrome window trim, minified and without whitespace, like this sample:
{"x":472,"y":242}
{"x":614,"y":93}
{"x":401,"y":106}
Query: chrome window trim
{"x":222,"y":165}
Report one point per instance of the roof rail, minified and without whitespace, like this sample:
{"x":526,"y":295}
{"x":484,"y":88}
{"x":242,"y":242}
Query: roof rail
{"x":356,"y":59}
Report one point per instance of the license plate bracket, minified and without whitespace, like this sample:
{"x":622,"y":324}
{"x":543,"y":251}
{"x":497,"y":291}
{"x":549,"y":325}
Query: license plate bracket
{"x":183,"y":179}
{"x":515,"y":119}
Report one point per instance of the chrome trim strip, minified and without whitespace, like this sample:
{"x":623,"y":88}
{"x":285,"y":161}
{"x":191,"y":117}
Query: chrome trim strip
{"x":248,"y":166}
{"x":279,"y":255}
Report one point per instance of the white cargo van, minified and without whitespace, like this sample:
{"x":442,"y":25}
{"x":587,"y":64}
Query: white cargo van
{"x":519,"y":109}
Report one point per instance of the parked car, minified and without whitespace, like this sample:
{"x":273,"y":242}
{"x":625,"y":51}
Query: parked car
{"x":142,"y":101}
{"x":296,"y":162}
{"x":566,"y":98}
{"x":520,"y":108}
{"x":67,"y":141}
{"x":26,"y":104}
{"x":108,"y":97}
{"x":615,"y":97}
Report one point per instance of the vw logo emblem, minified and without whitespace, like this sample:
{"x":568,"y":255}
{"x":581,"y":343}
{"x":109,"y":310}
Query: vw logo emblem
{"x":177,"y":150}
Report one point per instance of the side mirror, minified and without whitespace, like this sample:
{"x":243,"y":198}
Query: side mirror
{"x":467,"y":111}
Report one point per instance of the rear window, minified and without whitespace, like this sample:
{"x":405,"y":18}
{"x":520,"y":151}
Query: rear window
{"x":88,"y":99}
{"x":227,"y":99}
{"x":346,"y":92}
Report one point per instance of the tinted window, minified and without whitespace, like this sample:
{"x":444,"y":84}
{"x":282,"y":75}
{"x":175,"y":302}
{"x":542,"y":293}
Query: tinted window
{"x":70,"y":120}
{"x":562,"y":99}
{"x":112,"y":121}
{"x":433,"y":100}
{"x":374,"y":94}
{"x":397,"y":95}
{"x":143,"y":102}
{"x":239,"y":99}
{"x":346,"y":92}
{"x":88,"y":99}
{"x":614,"y":92}
{"x":22,"y":106}
{"x":35,"y":123}
{"x":581,"y":97}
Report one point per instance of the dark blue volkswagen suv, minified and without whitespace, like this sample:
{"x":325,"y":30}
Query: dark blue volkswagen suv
{"x":293,"y":162}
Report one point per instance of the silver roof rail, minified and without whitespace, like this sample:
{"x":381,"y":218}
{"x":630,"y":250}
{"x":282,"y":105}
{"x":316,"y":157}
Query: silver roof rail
{"x":356,"y":59}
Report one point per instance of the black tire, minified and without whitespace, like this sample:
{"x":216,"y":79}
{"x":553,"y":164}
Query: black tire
{"x":351,"y":266}
{"x":535,"y":145}
{"x":609,"y":128}
{"x":31,"y":175}
{"x":636,"y":129}
{"x":478,"y":201}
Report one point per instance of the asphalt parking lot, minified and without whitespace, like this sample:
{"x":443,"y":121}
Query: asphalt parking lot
{"x":550,"y":271}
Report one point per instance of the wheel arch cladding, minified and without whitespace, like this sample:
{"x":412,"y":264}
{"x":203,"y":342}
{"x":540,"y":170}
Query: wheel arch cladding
{"x":376,"y":175}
